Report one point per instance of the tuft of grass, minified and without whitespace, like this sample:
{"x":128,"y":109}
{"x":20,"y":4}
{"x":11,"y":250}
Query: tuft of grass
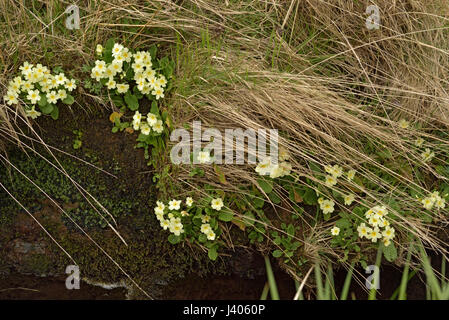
{"x":437,"y":284}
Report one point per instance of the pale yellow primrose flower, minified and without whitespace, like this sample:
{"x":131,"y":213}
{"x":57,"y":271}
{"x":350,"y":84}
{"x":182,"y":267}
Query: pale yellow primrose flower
{"x":427,"y":155}
{"x":217,"y":204}
{"x":351,"y":174}
{"x":419,"y":142}
{"x":99,"y":49}
{"x":374,"y":234}
{"x":174,"y":204}
{"x":363,"y":230}
{"x":349,"y":199}
{"x":330,"y":181}
{"x":203,"y":156}
{"x":33,"y":96}
{"x":189,"y":201}
{"x":404,"y":124}
{"x":335,"y":231}
{"x":33,"y":114}
{"x":327,"y":206}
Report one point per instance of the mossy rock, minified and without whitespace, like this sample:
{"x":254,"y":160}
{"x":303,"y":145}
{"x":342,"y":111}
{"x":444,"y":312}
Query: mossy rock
{"x":128,"y":195}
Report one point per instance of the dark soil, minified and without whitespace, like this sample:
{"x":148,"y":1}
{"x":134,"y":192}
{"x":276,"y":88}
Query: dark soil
{"x":195,"y":287}
{"x":227,"y":288}
{"x":390,"y":279}
{"x":23,"y":287}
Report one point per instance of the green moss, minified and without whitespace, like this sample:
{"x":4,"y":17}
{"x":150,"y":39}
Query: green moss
{"x":37,"y":264}
{"x":148,"y":260}
{"x":105,"y":189}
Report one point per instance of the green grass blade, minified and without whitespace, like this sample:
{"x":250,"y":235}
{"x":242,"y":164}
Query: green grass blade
{"x":271,"y":280}
{"x":347,"y":283}
{"x":373,"y":291}
{"x":265,"y":290}
{"x":319,"y":283}
{"x":432,"y":280}
{"x":405,"y":278}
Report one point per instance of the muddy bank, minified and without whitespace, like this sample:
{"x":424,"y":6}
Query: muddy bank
{"x":194,"y":287}
{"x":19,"y":287}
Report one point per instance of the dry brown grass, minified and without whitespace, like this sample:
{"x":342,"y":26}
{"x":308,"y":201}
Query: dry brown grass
{"x":363,"y":83}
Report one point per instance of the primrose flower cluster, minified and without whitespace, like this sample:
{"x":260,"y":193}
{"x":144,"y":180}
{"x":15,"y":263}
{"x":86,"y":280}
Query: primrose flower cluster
{"x":152,"y":123}
{"x":279,"y":170}
{"x":334,"y":172}
{"x":377,"y":220}
{"x":173,"y":220}
{"x":326,"y":205}
{"x":171,"y":217}
{"x":427,"y":155}
{"x":434,"y":199}
{"x":145,"y":77}
{"x":37,"y":86}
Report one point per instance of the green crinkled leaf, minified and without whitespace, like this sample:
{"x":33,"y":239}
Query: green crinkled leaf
{"x":69,"y":99}
{"x":117,"y":100}
{"x":202,"y":238}
{"x":248,"y":219}
{"x":42,"y":101}
{"x":174,"y":239}
{"x":107,"y":52}
{"x":258,"y":203}
{"x":137,"y":93}
{"x":291,"y":230}
{"x":310,"y":197}
{"x":131,"y":101}
{"x":153,"y":50}
{"x":390,"y":252}
{"x":154,"y":109}
{"x":129,"y":74}
{"x":343,"y":223}
{"x":266,"y":186}
{"x":55,"y":113}
{"x":47,"y":109}
{"x":314,"y":167}
{"x":225,"y":215}
{"x":277,"y":253}
{"x":274,"y":198}
{"x":212,"y":253}
{"x":359,"y":211}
